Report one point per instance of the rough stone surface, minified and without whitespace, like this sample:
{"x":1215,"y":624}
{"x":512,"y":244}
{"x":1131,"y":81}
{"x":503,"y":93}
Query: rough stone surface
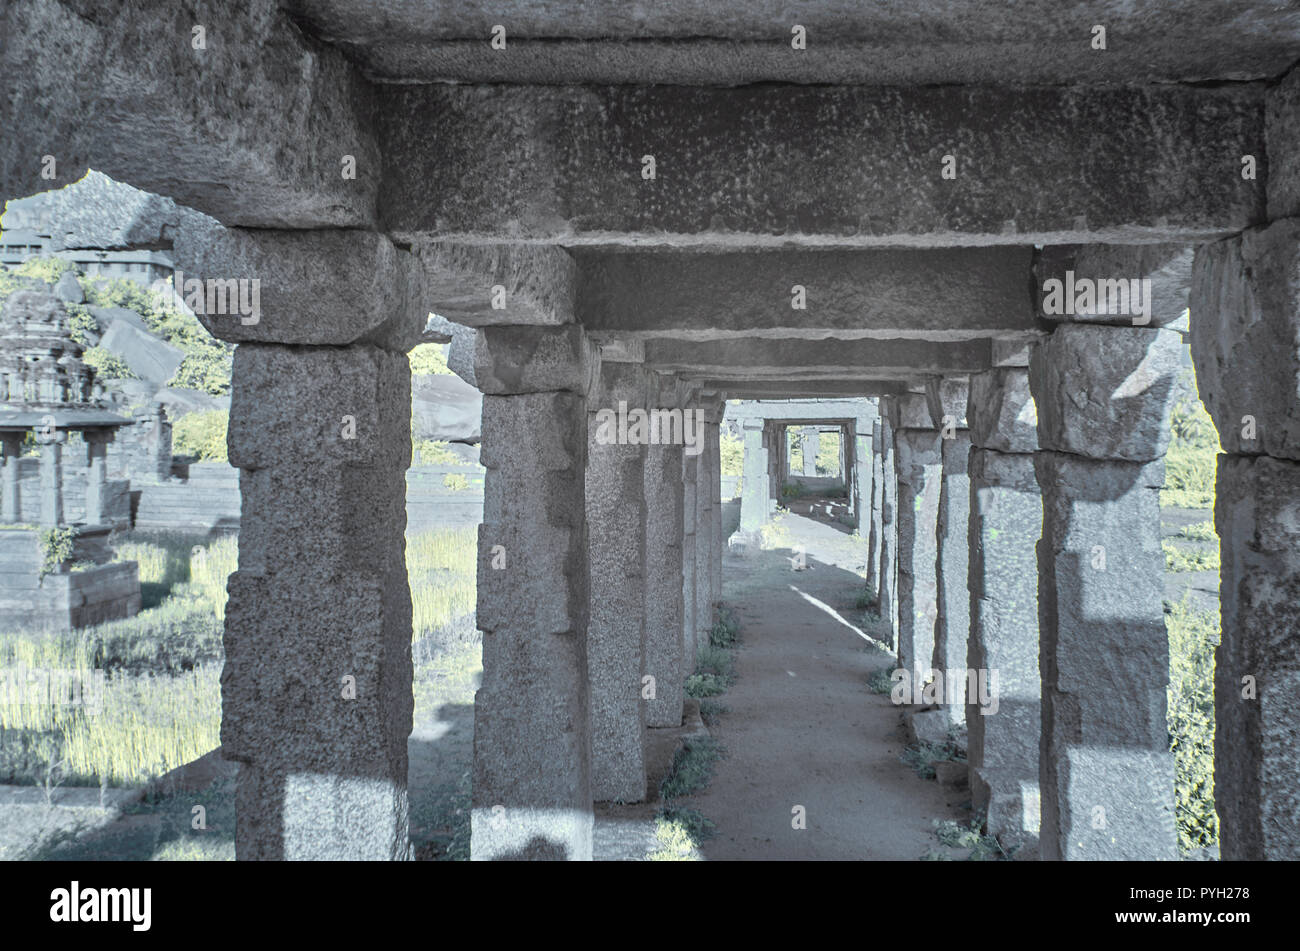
{"x":316,"y":688}
{"x":1245,"y":338}
{"x":332,"y":286}
{"x":1104,"y":659}
{"x":534,"y":359}
{"x":695,"y":42}
{"x":1282,"y":132}
{"x":532,"y":732}
{"x":691,"y":633}
{"x":1001,"y":411}
{"x":941,"y":295}
{"x":444,"y":407}
{"x":952,"y":623}
{"x":1006,"y":515}
{"x":1106,"y":392}
{"x":664,"y":658}
{"x":875,"y":539}
{"x":720,"y":171}
{"x":754,"y":493}
{"x":152,"y":360}
{"x":888,"y":581}
{"x":252,"y":129}
{"x":1167,"y":269}
{"x":919,"y":466}
{"x":499,"y":283}
{"x":1257,"y":514}
{"x":616,"y":638}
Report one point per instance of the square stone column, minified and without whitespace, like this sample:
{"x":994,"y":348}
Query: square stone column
{"x":532,"y":725}
{"x":920,"y":466}
{"x":616,"y":557}
{"x":860,"y":494}
{"x":52,"y":478}
{"x":952,"y":623}
{"x":1103,"y":396}
{"x":754,"y":490}
{"x":888,"y":599}
{"x":875,"y":540}
{"x":809,"y":444}
{"x":690,"y":476}
{"x":715,"y":509}
{"x":316,"y":689}
{"x":665,"y":656}
{"x":1245,"y":323}
{"x":96,"y":474}
{"x":705,"y":576}
{"x":11,"y":508}
{"x":1003,"y":713}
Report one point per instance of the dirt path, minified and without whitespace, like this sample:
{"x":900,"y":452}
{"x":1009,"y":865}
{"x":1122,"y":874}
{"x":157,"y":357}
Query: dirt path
{"x":802,"y":729}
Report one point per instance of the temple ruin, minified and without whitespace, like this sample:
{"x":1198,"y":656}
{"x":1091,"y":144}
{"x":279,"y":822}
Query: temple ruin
{"x":848,"y":221}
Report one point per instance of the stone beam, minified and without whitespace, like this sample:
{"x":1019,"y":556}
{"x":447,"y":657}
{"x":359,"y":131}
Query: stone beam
{"x":852,"y":166}
{"x":950,"y":294}
{"x":793,"y":389}
{"x":253,"y":128}
{"x":848,"y":359}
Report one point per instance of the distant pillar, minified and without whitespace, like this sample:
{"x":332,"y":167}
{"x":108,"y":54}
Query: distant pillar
{"x":754,"y":490}
{"x":919,"y":465}
{"x":11,"y":508}
{"x":96,"y":475}
{"x":809,"y":444}
{"x":952,"y":625}
{"x":52,"y":479}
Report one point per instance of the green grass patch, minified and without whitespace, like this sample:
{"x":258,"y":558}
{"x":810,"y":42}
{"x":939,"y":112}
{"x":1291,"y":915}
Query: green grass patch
{"x":1193,"y":637}
{"x":1201,"y":532}
{"x":679,"y":833}
{"x":881,"y":682}
{"x":921,"y":754}
{"x":711,"y":710}
{"x":692,"y":768}
{"x":1189,"y":559}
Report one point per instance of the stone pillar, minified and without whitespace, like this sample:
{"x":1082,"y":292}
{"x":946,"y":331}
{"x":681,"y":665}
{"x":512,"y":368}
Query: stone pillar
{"x":616,"y":554}
{"x":316,"y":689}
{"x":888,"y":580}
{"x":809,"y":443}
{"x":920,"y":466}
{"x":952,"y":624}
{"x":96,"y":475}
{"x":1003,"y":715}
{"x":874,"y":539}
{"x":665,"y":654}
{"x":1103,"y":397}
{"x":860,"y":497}
{"x":1245,"y":315}
{"x":532,"y":735}
{"x":52,"y":478}
{"x":754,"y":488}
{"x":690,"y":552}
{"x":843,"y":474}
{"x":11,"y":509}
{"x":703,"y":541}
{"x":715,"y":486}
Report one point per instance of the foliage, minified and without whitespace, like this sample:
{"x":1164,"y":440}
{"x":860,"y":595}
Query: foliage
{"x":1201,"y":532}
{"x":731,"y":454}
{"x":679,"y":833}
{"x":106,"y":364}
{"x":692,"y":768}
{"x":429,"y":359}
{"x":455,"y":481}
{"x":714,"y":672}
{"x":202,"y":435}
{"x":57,"y":545}
{"x":442,"y":566}
{"x":432,"y":452}
{"x":1193,"y":637}
{"x":1191,"y":461}
{"x":1189,"y":559}
{"x":922,"y":754}
{"x":207,"y":362}
{"x":881,"y":681}
{"x":725,"y":629}
{"x":828,"y":454}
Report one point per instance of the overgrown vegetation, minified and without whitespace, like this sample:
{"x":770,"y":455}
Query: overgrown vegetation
{"x":954,"y":835}
{"x":1193,"y":637}
{"x":881,"y":681}
{"x":1192,"y":457}
{"x":692,"y":768}
{"x":1182,"y":558}
{"x":922,"y":754}
{"x":56,"y":548}
{"x":201,"y":436}
{"x":679,"y":833}
{"x":429,"y":359}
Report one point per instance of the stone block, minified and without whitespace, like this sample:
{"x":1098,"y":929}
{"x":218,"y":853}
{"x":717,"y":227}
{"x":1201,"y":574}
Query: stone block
{"x":1142,"y":285}
{"x":1001,"y":411}
{"x":444,"y":407}
{"x":1282,"y":134}
{"x":149,"y":358}
{"x":1109,"y":804}
{"x":1257,"y":720}
{"x":1244,"y":332}
{"x":1106,"y":392}
{"x":910,"y":411}
{"x":665,"y":660}
{"x":511,"y":360}
{"x":919,"y":466}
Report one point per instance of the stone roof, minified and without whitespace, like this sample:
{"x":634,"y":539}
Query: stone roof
{"x":95,"y":212}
